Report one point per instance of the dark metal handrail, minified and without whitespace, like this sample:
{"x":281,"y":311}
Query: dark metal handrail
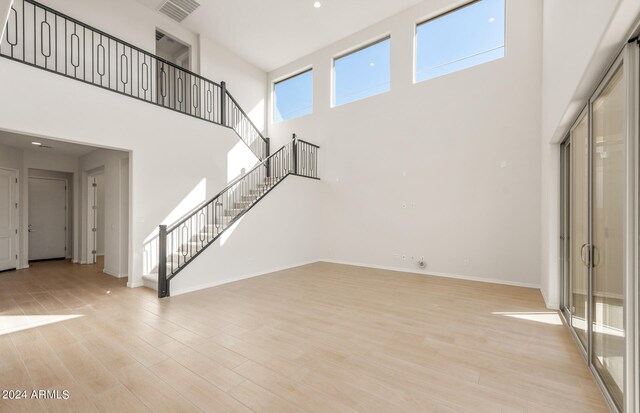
{"x":226,"y":188}
{"x":245,"y":114}
{"x":184,"y":240}
{"x":308,"y":143}
{"x":42,"y":37}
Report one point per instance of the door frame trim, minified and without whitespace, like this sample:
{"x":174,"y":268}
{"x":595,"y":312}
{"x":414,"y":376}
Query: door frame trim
{"x":66,"y":215}
{"x":87,"y":224}
{"x":16,"y":235}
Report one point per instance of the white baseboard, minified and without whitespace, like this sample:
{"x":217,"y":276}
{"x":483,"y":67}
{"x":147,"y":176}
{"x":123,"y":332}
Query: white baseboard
{"x":437,"y":274}
{"x":117,"y":275}
{"x":237,"y":278}
{"x":135,"y":284}
{"x":216,"y":283}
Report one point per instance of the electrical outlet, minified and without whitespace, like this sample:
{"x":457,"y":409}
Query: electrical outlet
{"x":404,"y":206}
{"x":466,"y":262}
{"x":404,"y":257}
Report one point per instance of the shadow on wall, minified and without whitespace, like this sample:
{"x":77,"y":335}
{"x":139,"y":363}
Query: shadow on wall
{"x":194,"y":199}
{"x":240,"y":159}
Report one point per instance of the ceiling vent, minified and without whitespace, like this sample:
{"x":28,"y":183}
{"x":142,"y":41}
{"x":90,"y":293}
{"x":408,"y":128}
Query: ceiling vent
{"x":179,"y":10}
{"x":159,"y":35}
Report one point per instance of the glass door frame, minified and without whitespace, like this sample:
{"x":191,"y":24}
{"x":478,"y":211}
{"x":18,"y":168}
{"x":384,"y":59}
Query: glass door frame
{"x":629,"y":60}
{"x":566,"y":200}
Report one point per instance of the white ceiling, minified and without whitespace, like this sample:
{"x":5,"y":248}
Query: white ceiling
{"x":56,"y":147}
{"x":272,"y":33}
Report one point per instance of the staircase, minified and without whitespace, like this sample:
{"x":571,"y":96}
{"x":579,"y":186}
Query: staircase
{"x":41,"y":37}
{"x":183,"y":241}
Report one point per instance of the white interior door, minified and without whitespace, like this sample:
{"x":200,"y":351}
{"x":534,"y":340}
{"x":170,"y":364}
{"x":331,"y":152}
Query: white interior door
{"x":8,"y":220}
{"x":47,"y":218}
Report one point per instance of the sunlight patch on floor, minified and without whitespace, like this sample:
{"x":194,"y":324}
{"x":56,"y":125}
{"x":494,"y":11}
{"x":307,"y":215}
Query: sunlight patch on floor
{"x":13,"y":323}
{"x":550,"y":317}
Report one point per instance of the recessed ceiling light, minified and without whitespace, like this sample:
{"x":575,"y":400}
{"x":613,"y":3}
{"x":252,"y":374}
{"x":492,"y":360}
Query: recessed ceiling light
{"x":36,"y":143}
{"x":317,"y":4}
{"x":492,"y":19}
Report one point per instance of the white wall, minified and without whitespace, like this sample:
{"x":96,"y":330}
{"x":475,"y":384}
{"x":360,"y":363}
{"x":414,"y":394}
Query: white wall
{"x":110,"y":204}
{"x":436,"y":147}
{"x":277,"y":233}
{"x":10,"y":158}
{"x":105,"y":166}
{"x":247,"y":83}
{"x":580,"y":40}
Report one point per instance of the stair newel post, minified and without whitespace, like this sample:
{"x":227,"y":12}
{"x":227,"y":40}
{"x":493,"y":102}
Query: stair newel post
{"x":163,"y":283}
{"x":294,"y":146}
{"x":268,"y":153}
{"x":223,"y":103}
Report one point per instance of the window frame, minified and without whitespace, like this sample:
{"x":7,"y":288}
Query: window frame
{"x":349,"y":52}
{"x":284,"y":78}
{"x":426,"y":20}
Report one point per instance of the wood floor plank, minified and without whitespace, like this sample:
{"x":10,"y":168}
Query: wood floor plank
{"x":119,"y":399}
{"x":261,"y":400}
{"x":153,"y":392}
{"x":318,"y":338}
{"x":196,"y":389}
{"x":220,"y":376}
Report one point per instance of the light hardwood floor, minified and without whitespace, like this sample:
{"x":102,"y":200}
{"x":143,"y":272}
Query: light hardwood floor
{"x":318,"y":338}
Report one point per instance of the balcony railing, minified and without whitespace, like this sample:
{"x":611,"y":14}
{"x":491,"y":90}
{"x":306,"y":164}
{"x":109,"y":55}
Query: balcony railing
{"x":41,"y":37}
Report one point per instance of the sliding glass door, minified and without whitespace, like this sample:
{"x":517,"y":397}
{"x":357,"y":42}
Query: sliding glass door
{"x":598,"y":246}
{"x":608,"y":234}
{"x":578,"y":195}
